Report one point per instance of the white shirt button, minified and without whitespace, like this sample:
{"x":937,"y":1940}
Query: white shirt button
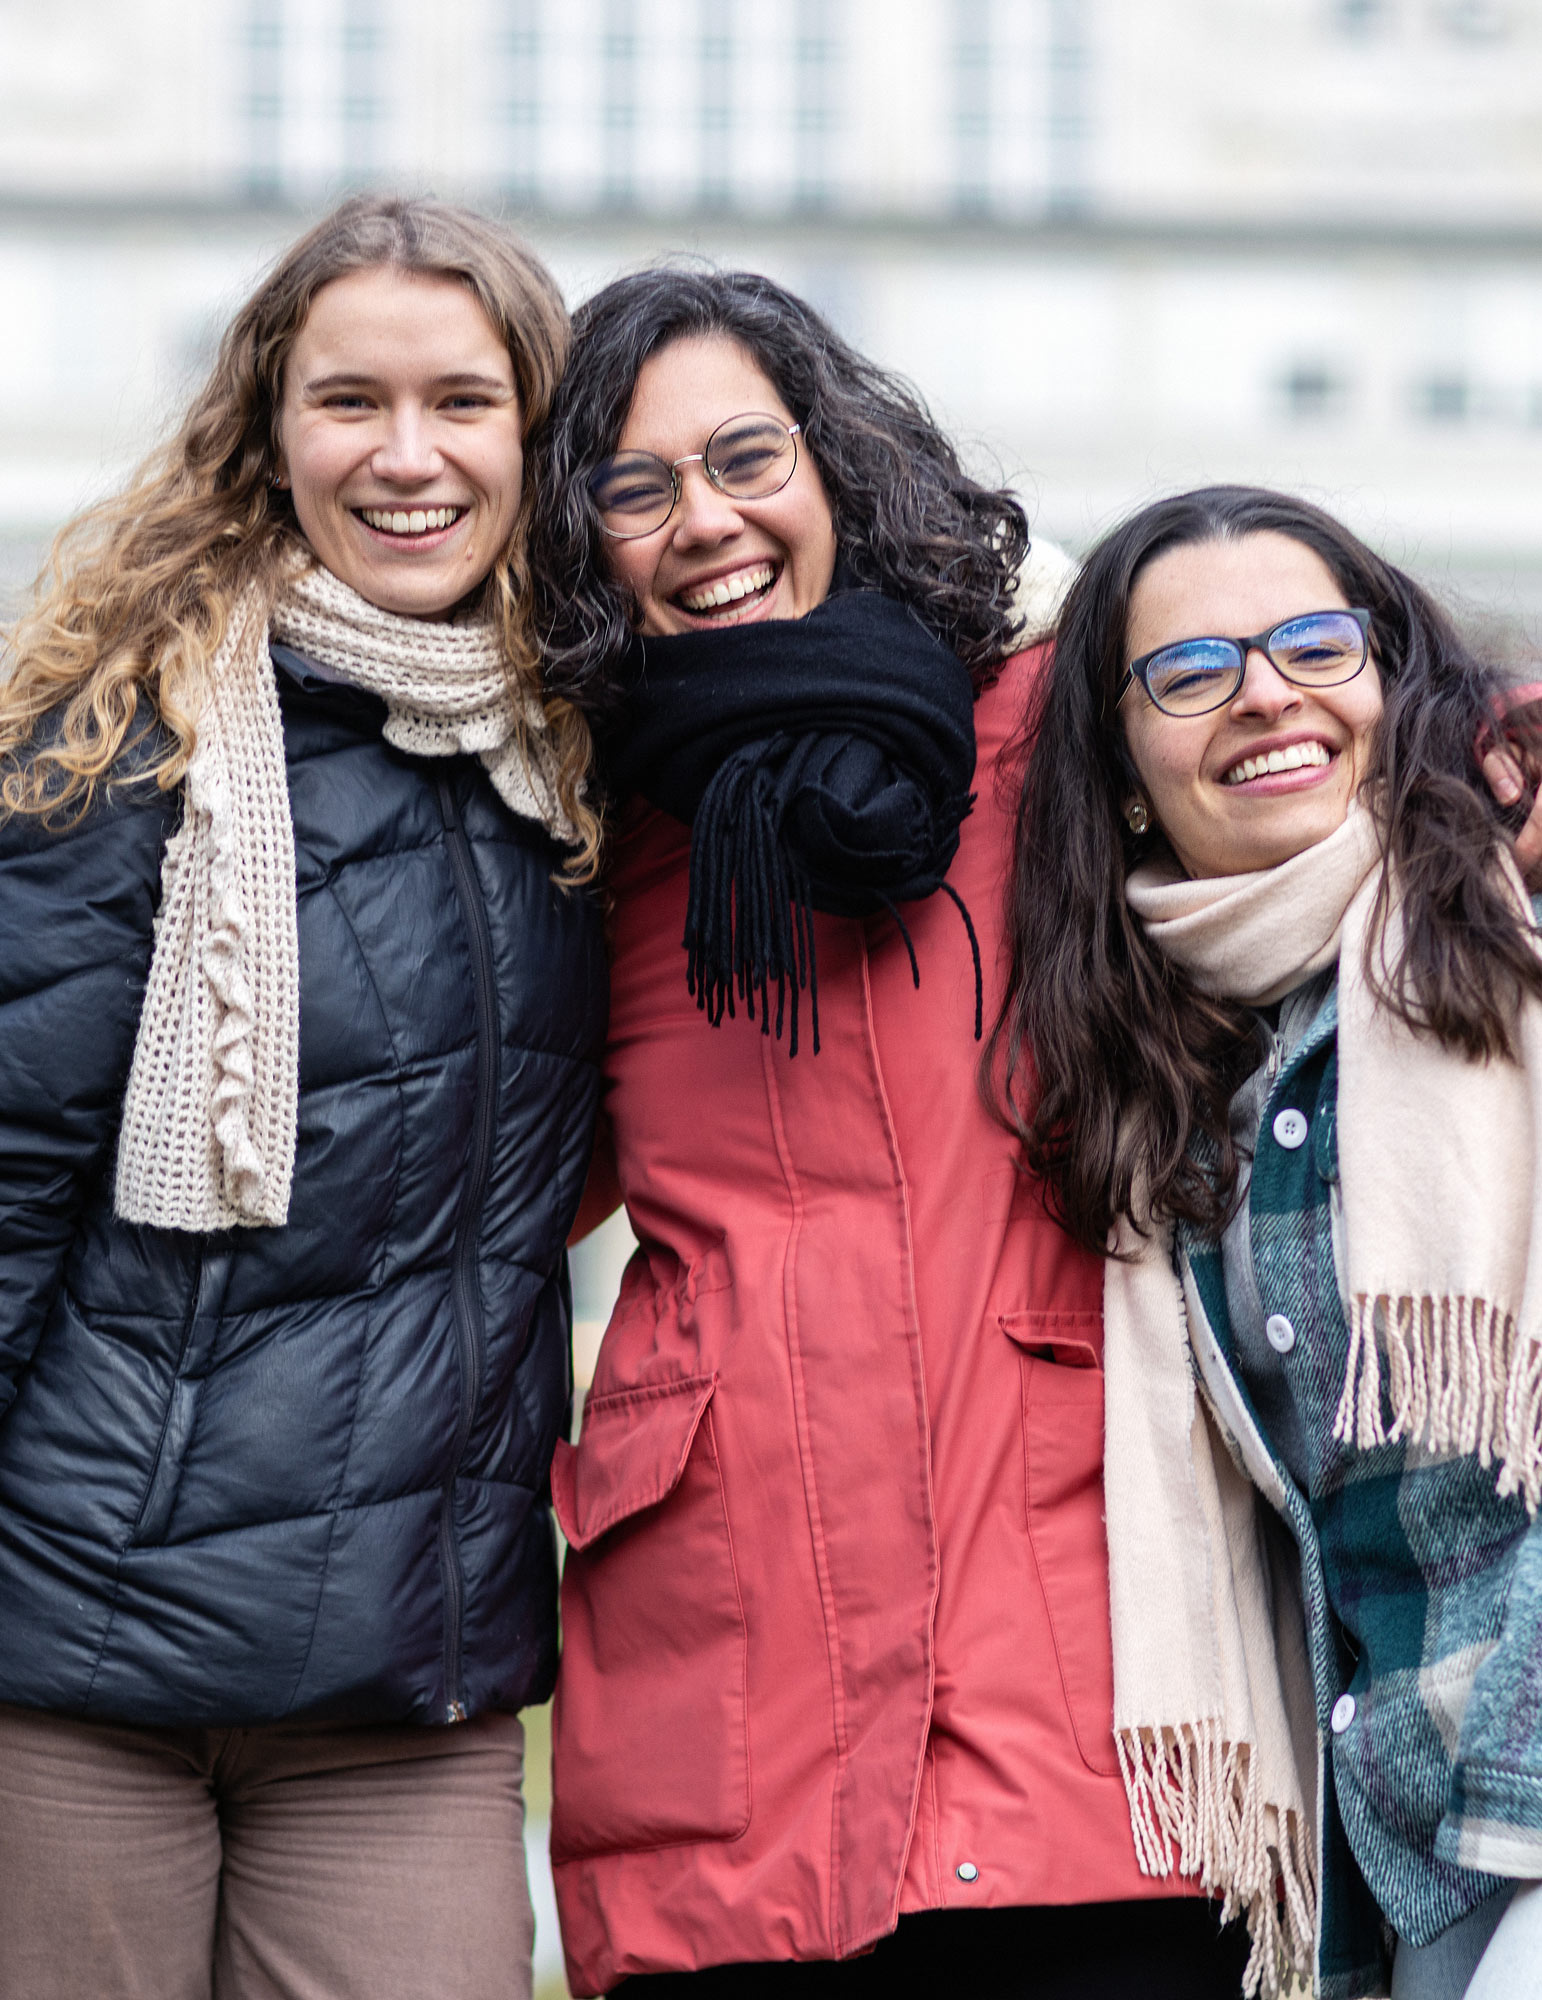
{"x":967,"y":1872}
{"x":1343,"y":1713}
{"x":1290,"y":1129}
{"x":1279,"y":1332}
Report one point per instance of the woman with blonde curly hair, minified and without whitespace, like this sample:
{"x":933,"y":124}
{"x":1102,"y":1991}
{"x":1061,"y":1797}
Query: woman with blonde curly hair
{"x":300,"y":1007}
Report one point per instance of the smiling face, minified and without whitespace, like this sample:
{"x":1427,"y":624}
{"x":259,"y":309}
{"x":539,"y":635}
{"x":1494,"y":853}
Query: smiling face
{"x":400,"y":438}
{"x":1212,"y":792}
{"x":718,"y":561}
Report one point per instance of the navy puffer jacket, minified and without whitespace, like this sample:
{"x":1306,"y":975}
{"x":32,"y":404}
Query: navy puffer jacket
{"x":289,"y":1472}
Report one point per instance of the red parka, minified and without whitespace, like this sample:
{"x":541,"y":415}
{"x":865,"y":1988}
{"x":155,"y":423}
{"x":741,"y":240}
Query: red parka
{"x":835,"y":1610}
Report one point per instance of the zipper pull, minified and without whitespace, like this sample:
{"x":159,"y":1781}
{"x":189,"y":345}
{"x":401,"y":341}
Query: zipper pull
{"x":456,"y":1712}
{"x":1276,"y":1055}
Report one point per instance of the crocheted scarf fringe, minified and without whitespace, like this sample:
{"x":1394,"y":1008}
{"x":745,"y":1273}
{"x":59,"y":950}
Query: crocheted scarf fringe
{"x":1461,"y":1377}
{"x":207,"y":1139}
{"x":1194,"y":1806}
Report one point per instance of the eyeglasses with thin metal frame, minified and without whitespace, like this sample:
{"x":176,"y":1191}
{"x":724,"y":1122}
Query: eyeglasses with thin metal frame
{"x":1192,"y":676}
{"x":749,"y":457}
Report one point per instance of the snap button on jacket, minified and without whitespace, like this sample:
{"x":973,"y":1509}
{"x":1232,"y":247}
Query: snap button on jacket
{"x":835,"y":1606}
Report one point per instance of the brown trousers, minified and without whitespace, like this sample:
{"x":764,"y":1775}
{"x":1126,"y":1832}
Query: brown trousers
{"x":262,"y":1864}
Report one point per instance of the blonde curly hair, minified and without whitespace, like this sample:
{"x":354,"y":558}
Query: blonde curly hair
{"x":137,"y":592}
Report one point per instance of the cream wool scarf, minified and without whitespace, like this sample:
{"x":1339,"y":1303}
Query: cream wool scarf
{"x":208,"y":1132}
{"x":1218,"y":1782}
{"x":1442,"y":1234}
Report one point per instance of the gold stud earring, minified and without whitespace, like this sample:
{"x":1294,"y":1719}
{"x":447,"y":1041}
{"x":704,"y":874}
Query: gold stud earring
{"x":1136,"y":817}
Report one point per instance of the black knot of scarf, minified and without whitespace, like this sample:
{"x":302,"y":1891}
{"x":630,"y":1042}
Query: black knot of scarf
{"x":821,"y":763}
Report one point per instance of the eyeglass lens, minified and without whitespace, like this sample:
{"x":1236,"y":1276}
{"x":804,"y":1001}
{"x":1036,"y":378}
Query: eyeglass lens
{"x":748,"y":458}
{"x":1318,"y":650}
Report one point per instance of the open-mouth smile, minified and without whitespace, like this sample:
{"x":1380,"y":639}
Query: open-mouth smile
{"x":736,"y":592}
{"x":409,"y":524}
{"x":1271,"y":763}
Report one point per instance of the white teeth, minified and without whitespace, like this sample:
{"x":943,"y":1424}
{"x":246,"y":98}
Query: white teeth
{"x":729,"y":589}
{"x":419,"y":521}
{"x":1294,"y":757}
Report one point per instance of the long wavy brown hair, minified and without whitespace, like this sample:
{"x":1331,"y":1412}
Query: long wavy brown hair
{"x":1113,"y":1066}
{"x":137,"y":593}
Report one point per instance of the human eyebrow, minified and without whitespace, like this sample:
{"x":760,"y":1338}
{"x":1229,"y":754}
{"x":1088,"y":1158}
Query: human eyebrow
{"x":326,"y":385}
{"x":489,"y":384}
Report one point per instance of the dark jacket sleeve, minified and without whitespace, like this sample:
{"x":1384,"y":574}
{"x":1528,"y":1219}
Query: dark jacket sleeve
{"x":77,"y":913}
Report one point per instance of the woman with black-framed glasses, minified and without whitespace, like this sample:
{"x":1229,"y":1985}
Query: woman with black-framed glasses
{"x":1282,"y":989}
{"x":834,"y":1707}
{"x":1313,"y":649}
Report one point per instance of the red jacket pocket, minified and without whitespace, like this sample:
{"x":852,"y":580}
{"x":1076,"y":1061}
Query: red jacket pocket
{"x":631,"y":1454}
{"x":650,"y":1732}
{"x":1063,"y":1454}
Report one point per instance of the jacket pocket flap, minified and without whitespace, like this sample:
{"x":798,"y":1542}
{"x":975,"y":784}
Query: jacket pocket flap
{"x":1074,"y":1339}
{"x":630,"y":1455}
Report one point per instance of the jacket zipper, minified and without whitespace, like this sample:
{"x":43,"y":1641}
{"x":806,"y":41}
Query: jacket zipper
{"x":465,"y":1292}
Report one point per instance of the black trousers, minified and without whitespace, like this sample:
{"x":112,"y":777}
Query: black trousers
{"x":1169,"y":1949}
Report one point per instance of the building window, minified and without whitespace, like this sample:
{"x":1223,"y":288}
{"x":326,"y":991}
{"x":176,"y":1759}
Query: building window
{"x":1312,"y":390}
{"x":816,"y":69}
{"x":262,"y":98}
{"x":1444,"y":398}
{"x":971,"y":109}
{"x":618,"y":100}
{"x":1069,"y":124}
{"x":1474,"y":20}
{"x":1359,"y":17}
{"x":364,"y":108}
{"x":522,"y":48}
{"x":715,"y":100}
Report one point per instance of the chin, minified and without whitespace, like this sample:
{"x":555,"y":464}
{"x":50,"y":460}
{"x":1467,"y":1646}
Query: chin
{"x":424,"y":601}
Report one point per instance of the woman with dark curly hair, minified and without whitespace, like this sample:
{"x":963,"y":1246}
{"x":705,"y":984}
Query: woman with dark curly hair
{"x":836,"y":1668}
{"x":1282,"y":990}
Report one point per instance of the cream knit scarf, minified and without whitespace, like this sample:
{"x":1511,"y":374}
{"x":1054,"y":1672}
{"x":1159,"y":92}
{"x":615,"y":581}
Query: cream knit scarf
{"x":208,"y":1132}
{"x":1442,"y":1229}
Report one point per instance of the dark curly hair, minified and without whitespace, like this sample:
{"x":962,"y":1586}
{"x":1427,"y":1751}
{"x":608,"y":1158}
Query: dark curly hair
{"x":1106,"y":1056}
{"x":908,"y":519}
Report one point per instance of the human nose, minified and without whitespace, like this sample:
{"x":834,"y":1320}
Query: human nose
{"x":1264,"y":689}
{"x":407,"y":454}
{"x":703,"y":513}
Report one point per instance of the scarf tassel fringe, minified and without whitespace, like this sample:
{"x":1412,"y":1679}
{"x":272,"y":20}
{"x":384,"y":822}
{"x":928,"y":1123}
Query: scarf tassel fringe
{"x":749,"y":923}
{"x":1194,"y":1806}
{"x":1460,"y":1378}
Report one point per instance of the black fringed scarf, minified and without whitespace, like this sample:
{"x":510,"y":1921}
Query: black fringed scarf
{"x":822,"y":763}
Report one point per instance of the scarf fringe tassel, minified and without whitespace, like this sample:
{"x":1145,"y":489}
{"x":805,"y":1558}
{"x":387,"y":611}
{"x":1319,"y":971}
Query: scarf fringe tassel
{"x":1194,"y":1806}
{"x":1460,"y":1378}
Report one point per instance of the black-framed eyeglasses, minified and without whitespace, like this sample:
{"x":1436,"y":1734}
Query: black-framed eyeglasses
{"x":1192,"y":676}
{"x":748,"y":458}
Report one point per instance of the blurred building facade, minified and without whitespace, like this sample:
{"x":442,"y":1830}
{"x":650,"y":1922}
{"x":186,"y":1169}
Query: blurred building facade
{"x":1121,"y":244}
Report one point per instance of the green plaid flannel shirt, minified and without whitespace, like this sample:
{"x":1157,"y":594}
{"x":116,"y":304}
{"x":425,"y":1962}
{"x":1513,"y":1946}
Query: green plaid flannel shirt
{"x":1422,"y":1588}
